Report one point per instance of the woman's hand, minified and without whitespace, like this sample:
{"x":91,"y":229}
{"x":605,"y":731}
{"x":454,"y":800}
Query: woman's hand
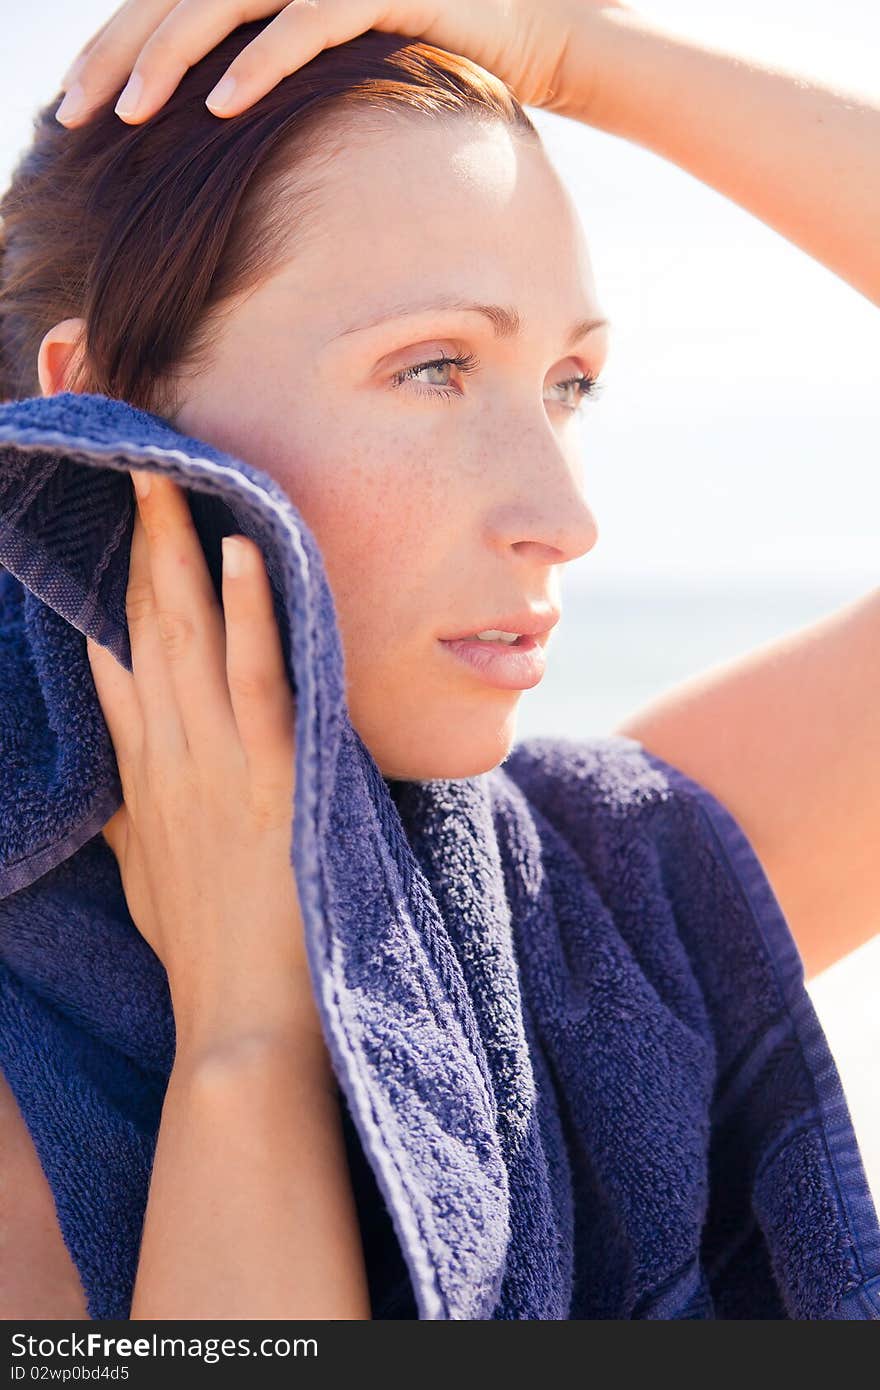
{"x":204,"y":734}
{"x":524,"y":42}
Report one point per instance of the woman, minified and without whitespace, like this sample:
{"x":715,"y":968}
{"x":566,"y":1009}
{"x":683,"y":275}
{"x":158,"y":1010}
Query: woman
{"x":455,"y":252}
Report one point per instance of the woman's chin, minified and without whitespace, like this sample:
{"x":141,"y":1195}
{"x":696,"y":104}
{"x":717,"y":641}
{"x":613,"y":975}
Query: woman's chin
{"x":444,"y":754}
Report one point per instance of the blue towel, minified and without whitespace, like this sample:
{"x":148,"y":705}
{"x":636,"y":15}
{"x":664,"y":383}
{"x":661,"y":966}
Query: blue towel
{"x":579,"y":1072}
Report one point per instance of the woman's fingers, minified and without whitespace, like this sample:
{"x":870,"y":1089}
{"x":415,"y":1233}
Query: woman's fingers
{"x":178,"y":641}
{"x":119,"y":703}
{"x":115,"y":832}
{"x":155,"y":40}
{"x":102,"y":66}
{"x":299,"y":33}
{"x":185,"y":35}
{"x":152,"y":43}
{"x":78,"y":63}
{"x":74,"y":69}
{"x":160,"y":722}
{"x":527,"y":43}
{"x":208,"y":677}
{"x":262,"y":699}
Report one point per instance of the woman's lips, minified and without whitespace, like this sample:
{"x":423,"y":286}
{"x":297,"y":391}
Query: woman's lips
{"x":506,"y":665}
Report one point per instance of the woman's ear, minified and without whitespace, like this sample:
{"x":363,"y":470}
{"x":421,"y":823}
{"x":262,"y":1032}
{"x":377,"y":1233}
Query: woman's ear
{"x":60,"y":352}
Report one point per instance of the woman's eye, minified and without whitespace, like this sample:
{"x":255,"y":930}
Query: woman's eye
{"x":465,"y":362}
{"x":575,"y":389}
{"x":441,"y":367}
{"x":581,"y":388}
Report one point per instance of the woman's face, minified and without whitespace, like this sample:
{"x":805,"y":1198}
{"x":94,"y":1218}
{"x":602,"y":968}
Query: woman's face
{"x":446,"y":498}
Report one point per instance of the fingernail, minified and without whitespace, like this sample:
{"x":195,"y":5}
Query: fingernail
{"x":232,"y":557}
{"x":141,"y":483}
{"x":130,"y":96}
{"x":73,"y":103}
{"x":222,"y":94}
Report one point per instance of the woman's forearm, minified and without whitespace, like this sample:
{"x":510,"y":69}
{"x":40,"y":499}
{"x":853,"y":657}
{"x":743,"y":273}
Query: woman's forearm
{"x":250,"y":1211}
{"x":799,"y":155}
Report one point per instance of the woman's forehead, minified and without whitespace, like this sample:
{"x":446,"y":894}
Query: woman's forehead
{"x":455,"y":211}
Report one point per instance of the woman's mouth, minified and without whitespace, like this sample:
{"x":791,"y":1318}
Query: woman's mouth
{"x":515,"y":665}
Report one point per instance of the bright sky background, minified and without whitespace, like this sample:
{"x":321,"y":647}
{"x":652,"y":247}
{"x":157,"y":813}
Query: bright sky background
{"x":738,"y":431}
{"x":741,"y":429}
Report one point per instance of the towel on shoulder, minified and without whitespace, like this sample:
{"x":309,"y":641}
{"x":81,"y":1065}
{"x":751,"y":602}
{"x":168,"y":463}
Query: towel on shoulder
{"x":580,"y":1074}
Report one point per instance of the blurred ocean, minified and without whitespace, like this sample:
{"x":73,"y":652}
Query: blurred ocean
{"x":622,"y":640}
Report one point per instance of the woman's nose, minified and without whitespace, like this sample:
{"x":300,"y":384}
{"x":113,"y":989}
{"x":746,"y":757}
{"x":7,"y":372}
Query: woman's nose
{"x":546,"y":510}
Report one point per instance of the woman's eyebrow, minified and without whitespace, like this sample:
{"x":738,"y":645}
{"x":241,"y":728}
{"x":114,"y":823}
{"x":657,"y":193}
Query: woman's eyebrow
{"x":506,"y":322}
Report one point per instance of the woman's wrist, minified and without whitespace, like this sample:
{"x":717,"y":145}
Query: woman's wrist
{"x":798,"y":153}
{"x":246,"y":1015}
{"x":235,"y":1058}
{"x":250,"y":1211}
{"x":616,"y":72}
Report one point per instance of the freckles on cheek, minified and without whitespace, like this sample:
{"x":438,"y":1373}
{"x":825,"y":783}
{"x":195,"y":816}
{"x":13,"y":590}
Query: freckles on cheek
{"x":380,"y":553}
{"x":378,"y":507}
{"x":385,"y":490}
{"x":349,"y":524}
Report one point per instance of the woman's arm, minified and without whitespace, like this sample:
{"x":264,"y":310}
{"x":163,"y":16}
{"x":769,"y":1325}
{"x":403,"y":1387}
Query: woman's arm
{"x":250,"y":1212}
{"x":794,"y":151}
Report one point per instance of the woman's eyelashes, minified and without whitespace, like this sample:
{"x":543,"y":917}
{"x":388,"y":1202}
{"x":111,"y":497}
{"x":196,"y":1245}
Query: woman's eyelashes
{"x":585,"y":387}
{"x":463,"y":362}
{"x":582,"y":385}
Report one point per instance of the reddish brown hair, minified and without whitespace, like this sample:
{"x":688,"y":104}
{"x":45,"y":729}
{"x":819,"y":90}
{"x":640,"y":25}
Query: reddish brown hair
{"x":143,"y":230}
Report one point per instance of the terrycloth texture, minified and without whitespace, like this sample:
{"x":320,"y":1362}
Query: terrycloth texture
{"x":577,"y":1062}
